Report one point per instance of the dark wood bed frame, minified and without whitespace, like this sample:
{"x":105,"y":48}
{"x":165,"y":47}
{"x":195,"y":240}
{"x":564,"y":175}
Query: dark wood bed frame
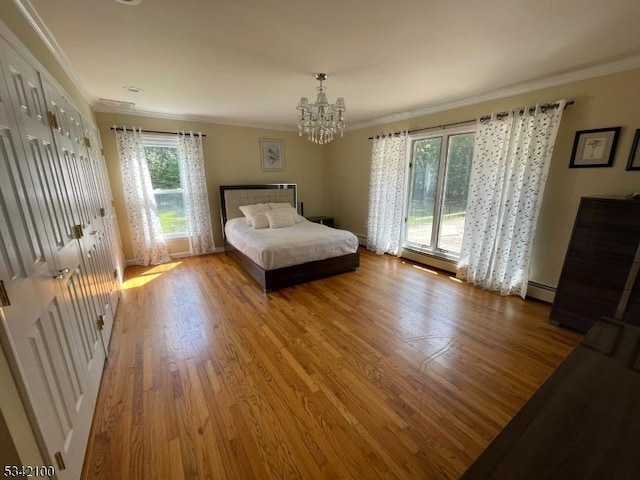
{"x":287,"y":276}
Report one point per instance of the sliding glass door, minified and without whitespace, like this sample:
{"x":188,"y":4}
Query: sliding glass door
{"x":439,"y":182}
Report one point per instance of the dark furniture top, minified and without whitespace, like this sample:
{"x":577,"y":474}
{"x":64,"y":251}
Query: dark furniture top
{"x":583,"y":423}
{"x":328,"y":221}
{"x":599,"y":276}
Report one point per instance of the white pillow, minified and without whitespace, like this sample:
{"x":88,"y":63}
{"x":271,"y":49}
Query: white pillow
{"x":280,"y":218}
{"x":294,"y":214}
{"x":286,"y":206}
{"x":251,"y":209}
{"x":258,"y":220}
{"x":278,"y":206}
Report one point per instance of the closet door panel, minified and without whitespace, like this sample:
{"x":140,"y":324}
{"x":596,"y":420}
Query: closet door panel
{"x":108,"y":242}
{"x":72,"y":148}
{"x":110,"y":218}
{"x":20,"y":249}
{"x":100,"y":288}
{"x":42,"y":326}
{"x":36,"y":138}
{"x":70,"y":143}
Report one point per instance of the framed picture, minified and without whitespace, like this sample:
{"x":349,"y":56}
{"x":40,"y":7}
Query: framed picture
{"x":594,"y":148}
{"x":634,"y":155}
{"x":271,"y":155}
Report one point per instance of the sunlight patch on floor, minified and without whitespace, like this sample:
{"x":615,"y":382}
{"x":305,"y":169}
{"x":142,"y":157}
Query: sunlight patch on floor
{"x":148,"y":276}
{"x":424,"y":269}
{"x":165,"y":267}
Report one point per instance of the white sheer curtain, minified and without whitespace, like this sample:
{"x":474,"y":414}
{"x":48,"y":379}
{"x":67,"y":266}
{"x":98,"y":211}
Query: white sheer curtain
{"x":196,"y":198}
{"x":386,"y":193}
{"x":510,"y":164}
{"x":146,"y":234}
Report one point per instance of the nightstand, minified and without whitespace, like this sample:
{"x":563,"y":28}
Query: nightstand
{"x":328,"y":221}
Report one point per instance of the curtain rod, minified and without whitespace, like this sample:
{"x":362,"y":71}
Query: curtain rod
{"x":157,"y":131}
{"x":484,"y":117}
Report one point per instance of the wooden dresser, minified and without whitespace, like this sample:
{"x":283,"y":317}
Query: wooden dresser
{"x":600,"y":273}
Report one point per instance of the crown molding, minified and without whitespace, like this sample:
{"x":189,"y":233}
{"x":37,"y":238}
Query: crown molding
{"x":191,"y":118}
{"x":34,"y":20}
{"x":31,"y":16}
{"x":610,"y":68}
{"x":617,"y":66}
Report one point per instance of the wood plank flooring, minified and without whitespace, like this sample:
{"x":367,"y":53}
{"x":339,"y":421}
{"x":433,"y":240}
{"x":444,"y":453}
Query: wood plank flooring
{"x":395,"y":371}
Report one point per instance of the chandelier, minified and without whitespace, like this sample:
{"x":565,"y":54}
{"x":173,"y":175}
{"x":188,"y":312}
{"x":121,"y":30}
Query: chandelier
{"x":321,"y":120}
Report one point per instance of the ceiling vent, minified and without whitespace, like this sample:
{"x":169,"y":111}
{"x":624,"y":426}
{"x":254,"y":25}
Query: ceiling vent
{"x":117,"y":104}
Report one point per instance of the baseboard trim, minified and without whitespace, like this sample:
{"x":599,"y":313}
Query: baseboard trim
{"x":188,"y":254}
{"x":131,"y":262}
{"x":538,"y":291}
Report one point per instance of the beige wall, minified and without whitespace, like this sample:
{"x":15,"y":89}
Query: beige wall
{"x":608,"y":101}
{"x":231,"y":156}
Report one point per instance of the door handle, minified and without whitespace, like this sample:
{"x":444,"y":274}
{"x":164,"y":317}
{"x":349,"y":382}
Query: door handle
{"x":61,"y":273}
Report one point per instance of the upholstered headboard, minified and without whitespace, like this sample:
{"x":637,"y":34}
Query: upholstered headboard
{"x":234,"y":196}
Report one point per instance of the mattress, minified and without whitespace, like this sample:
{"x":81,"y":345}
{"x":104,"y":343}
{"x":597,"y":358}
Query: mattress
{"x":282,"y":247}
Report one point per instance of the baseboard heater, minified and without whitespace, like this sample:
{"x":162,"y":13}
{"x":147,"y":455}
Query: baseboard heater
{"x":542,"y":286}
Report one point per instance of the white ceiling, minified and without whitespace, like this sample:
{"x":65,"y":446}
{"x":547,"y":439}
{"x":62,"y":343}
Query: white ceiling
{"x":249,"y":61}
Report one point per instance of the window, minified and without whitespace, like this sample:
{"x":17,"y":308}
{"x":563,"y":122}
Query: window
{"x":440,"y":167}
{"x":163,"y":158}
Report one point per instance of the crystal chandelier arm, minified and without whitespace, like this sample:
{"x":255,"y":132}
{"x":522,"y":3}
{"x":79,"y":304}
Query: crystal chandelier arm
{"x":303,"y":104}
{"x":320,"y":120}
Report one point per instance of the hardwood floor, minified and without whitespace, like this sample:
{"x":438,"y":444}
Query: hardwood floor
{"x":395,"y":371}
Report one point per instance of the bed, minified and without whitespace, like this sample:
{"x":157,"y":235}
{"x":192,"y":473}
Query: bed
{"x":315,"y":253}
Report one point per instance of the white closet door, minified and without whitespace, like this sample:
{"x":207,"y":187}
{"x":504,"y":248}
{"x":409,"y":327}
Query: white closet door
{"x":47,"y":321}
{"x":71,"y":146}
{"x":107,"y":241}
{"x":109,"y":217}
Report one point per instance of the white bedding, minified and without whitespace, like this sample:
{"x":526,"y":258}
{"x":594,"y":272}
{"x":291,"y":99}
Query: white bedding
{"x":303,"y":242}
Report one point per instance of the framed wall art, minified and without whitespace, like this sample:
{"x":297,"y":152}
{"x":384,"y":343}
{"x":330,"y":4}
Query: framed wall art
{"x":634,"y":155}
{"x":594,"y":148}
{"x":271,"y":155}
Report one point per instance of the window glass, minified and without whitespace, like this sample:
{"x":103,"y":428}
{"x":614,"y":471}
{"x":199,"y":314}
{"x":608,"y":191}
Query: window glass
{"x":454,"y":204}
{"x":164,"y":167}
{"x":426,"y":163}
{"x":439,"y":184}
